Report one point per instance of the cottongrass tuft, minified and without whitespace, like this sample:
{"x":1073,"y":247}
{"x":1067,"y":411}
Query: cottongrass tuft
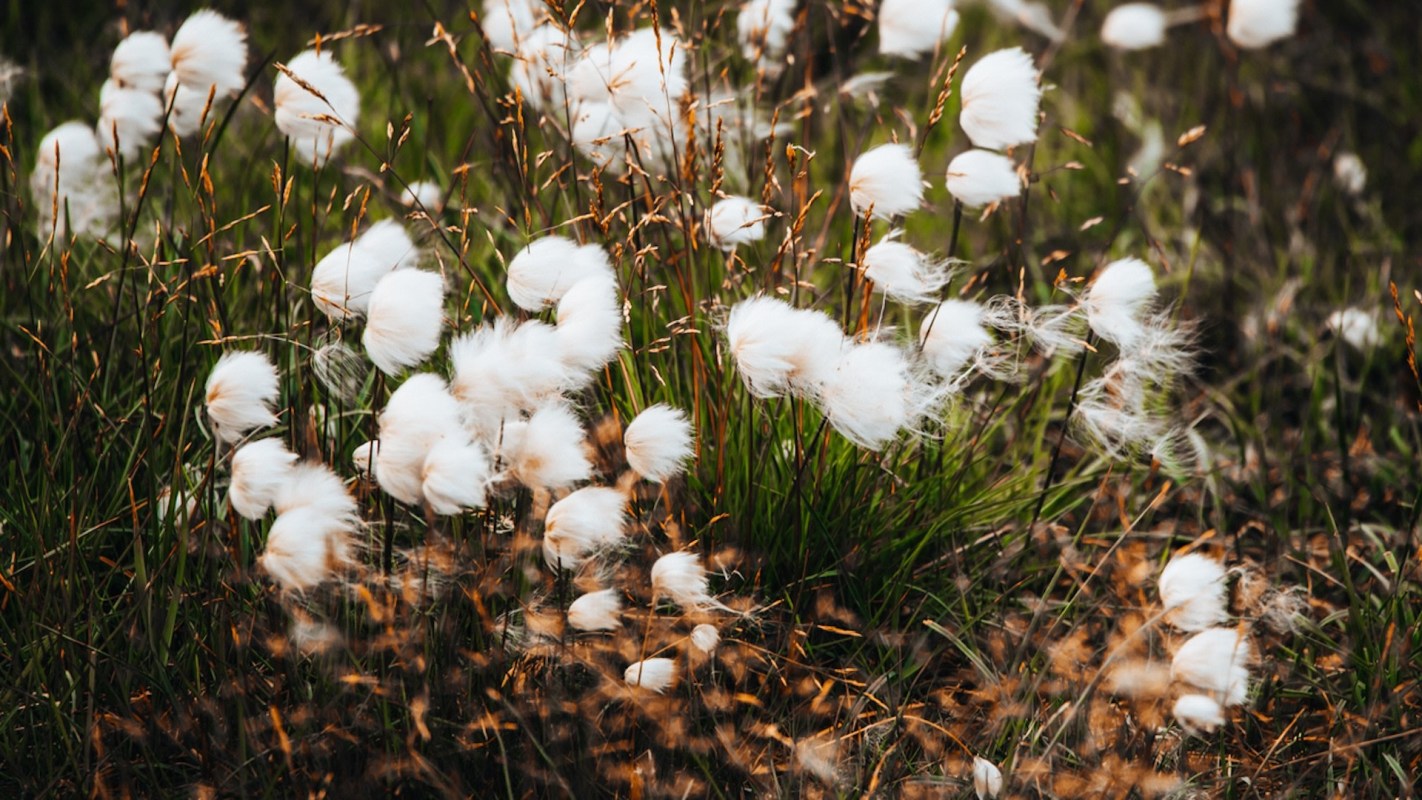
{"x":209,"y":57}
{"x":596,"y":611}
{"x":654,"y":674}
{"x":589,"y":328}
{"x":658,"y":443}
{"x":404,"y":319}
{"x":874,"y":394}
{"x":902,"y":273}
{"x":887,"y":179}
{"x":705,"y":637}
{"x":259,"y":469}
{"x":763,"y":28}
{"x":1215,"y":660}
{"x":141,"y":61}
{"x":342,"y":281}
{"x":340,"y":370}
{"x":1357,"y":327}
{"x":1134,"y":26}
{"x":981,"y":178}
{"x":913,"y":28}
{"x":456,"y":474}
{"x":679,"y":577}
{"x":313,"y":535}
{"x":1350,"y":173}
{"x":321,"y":119}
{"x":1192,"y":589}
{"x":955,"y":339}
{"x":542,"y":272}
{"x":504,"y":368}
{"x":71,"y":190}
{"x":1255,"y":24}
{"x":987,"y":778}
{"x":423,"y":194}
{"x":549,"y":451}
{"x":1117,"y":299}
{"x":1000,"y":100}
{"x":1198,"y":713}
{"x":417,"y":416}
{"x":129,"y":119}
{"x":241,"y":391}
{"x":735,"y":221}
{"x":779,"y":348}
{"x":591,"y":519}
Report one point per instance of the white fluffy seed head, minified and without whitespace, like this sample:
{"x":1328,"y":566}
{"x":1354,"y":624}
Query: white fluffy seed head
{"x":642,"y":75}
{"x":653,"y":674}
{"x":1198,"y":713}
{"x":141,"y":61}
{"x":763,"y":28}
{"x":210,"y":50}
{"x":129,"y":119}
{"x":1134,"y":26}
{"x":258,"y":470}
{"x":540,"y":64}
{"x":679,"y":576}
{"x":423,"y":194}
{"x":902,"y":273}
{"x":1259,"y":23}
{"x":887,"y":178}
{"x":596,"y":611}
{"x":456,"y":475}
{"x":597,"y":133}
{"x":913,"y":28}
{"x":589,"y":329}
{"x":241,"y":391}
{"x":1000,"y":100}
{"x":71,"y":184}
{"x":362,"y":457}
{"x":1350,"y":173}
{"x":505,"y":368}
{"x":592,"y":518}
{"x":541,"y":273}
{"x":312,"y":484}
{"x":404,"y":319}
{"x":1357,"y":327}
{"x":873,"y":394}
{"x":548,"y":451}
{"x":987,"y":778}
{"x":952,"y":336}
{"x":705,"y":637}
{"x":318,"y":123}
{"x":1216,"y":661}
{"x":344,"y":278}
{"x":734,"y":221}
{"x":658,"y":443}
{"x":1192,"y":589}
{"x":779,"y":348}
{"x":507,"y":23}
{"x":418,"y":415}
{"x":1117,"y":300}
{"x":305,"y":547}
{"x":979,"y":178}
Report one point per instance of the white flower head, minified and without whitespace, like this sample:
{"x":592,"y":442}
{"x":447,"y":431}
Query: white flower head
{"x":705,"y":637}
{"x":980,"y":177}
{"x":543,"y":56}
{"x":549,"y":451}
{"x":734,"y":221}
{"x":209,"y":55}
{"x":1000,"y":100}
{"x":778,"y":347}
{"x":1192,"y":589}
{"x":547,"y":268}
{"x":141,"y":61}
{"x":418,"y":415}
{"x":1116,"y":301}
{"x":953,"y":336}
{"x":642,"y":75}
{"x":902,"y":273}
{"x":888,"y":179}
{"x":342,"y":281}
{"x":241,"y":391}
{"x":597,"y":134}
{"x":258,"y":470}
{"x":423,"y":194}
{"x":456,"y":476}
{"x":1254,"y":24}
{"x":305,"y":546}
{"x":987,"y":778}
{"x":1357,"y":327}
{"x":1134,"y":26}
{"x":71,"y":185}
{"x":763,"y":28}
{"x":589,"y":329}
{"x":679,"y":576}
{"x":319,"y":117}
{"x":507,"y":23}
{"x":596,"y":611}
{"x":911,"y":28}
{"x":873,"y":395}
{"x":129,"y":119}
{"x":591,"y":519}
{"x":653,"y":674}
{"x":1350,"y":173}
{"x":1199,"y":713}
{"x":1030,"y":14}
{"x":1215,"y":660}
{"x":404,"y":319}
{"x":504,"y":368}
{"x":362,"y":457}
{"x":658,"y":443}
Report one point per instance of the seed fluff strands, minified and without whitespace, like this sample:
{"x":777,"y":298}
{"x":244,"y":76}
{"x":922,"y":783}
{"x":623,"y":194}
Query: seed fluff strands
{"x":888,"y":179}
{"x":404,"y":319}
{"x":1215,"y":660}
{"x":953,"y":336}
{"x":653,"y":674}
{"x":874,"y":394}
{"x":902,"y":273}
{"x":319,"y":123}
{"x":596,"y":611}
{"x":506,"y":368}
{"x":313,"y":535}
{"x":913,"y":28}
{"x":705,"y":637}
{"x":241,"y":390}
{"x":543,"y":271}
{"x":209,"y":55}
{"x":778,"y":347}
{"x":658,"y":443}
{"x":1000,"y":99}
{"x":1254,"y":24}
{"x":987,"y":778}
{"x":589,"y":329}
{"x":763,"y":28}
{"x":1192,"y":589}
{"x":1117,"y":299}
{"x":591,"y":519}
{"x":1134,"y":26}
{"x":419,"y":414}
{"x":735,"y":221}
{"x":455,"y":474}
{"x":980,"y":177}
{"x":70,"y":177}
{"x":507,"y":22}
{"x":141,"y":61}
{"x":258,"y":470}
{"x":343,"y":279}
{"x":549,"y":451}
{"x":1199,"y":713}
{"x":129,"y":119}
{"x":679,"y":576}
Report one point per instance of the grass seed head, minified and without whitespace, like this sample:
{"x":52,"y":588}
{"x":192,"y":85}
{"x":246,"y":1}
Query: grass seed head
{"x":241,"y":391}
{"x":1000,"y":100}
{"x":258,"y":470}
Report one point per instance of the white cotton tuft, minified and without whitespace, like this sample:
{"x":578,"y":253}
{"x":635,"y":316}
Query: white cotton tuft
{"x":1030,"y":14}
{"x":1350,"y":173}
{"x":404,"y":319}
{"x":1357,"y":327}
{"x":734,"y":221}
{"x":642,"y":75}
{"x":912,"y":28}
{"x":507,"y":23}
{"x":705,"y":637}
{"x":589,"y":329}
{"x":504,"y":368}
{"x":1198,"y":713}
{"x":1192,"y":589}
{"x":987,"y":778}
{"x":902,"y":273}
{"x":1259,"y":23}
{"x":597,"y":134}
{"x":778,"y":347}
{"x":344,"y":278}
{"x":312,"y":484}
{"x":592,"y":518}
{"x":658,"y":443}
{"x":653,"y":674}
{"x":953,"y":336}
{"x":258,"y":470}
{"x":70,"y":184}
{"x":423,"y":194}
{"x":129,"y":119}
{"x":872,"y":395}
{"x":543,"y":56}
{"x":763,"y":28}
{"x":1134,"y":26}
{"x":209,"y":55}
{"x":679,"y":576}
{"x":596,"y":611}
{"x":305,"y":546}
{"x":241,"y":390}
{"x":321,"y":122}
{"x":548,"y":451}
{"x":456,"y":476}
{"x":1215,"y":660}
{"x":418,"y":415}
{"x":1117,"y":299}
{"x":362,"y":457}
{"x":980,"y":177}
{"x":1000,"y":100}
{"x":141,"y":61}
{"x":547,"y":268}
{"x":888,"y":179}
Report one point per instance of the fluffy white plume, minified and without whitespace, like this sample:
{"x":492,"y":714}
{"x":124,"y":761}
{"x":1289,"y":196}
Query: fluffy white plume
{"x":543,"y":56}
{"x":1116,"y":301}
{"x":1134,"y":26}
{"x":1259,"y":23}
{"x":911,"y":28}
{"x":763,"y":27}
{"x":589,"y":329}
{"x":887,"y":178}
{"x":778,"y":347}
{"x":548,"y":451}
{"x":318,"y":123}
{"x":70,"y":184}
{"x":596,"y":611}
{"x":313,"y":485}
{"x":653,"y":674}
{"x":241,"y":390}
{"x":705,"y":637}
{"x":980,"y":177}
{"x":141,"y":61}
{"x":209,"y":55}
{"x":679,"y":576}
{"x":1350,"y":173}
{"x":258,"y":470}
{"x":456,"y":476}
{"x":419,"y":414}
{"x":507,"y":23}
{"x":1215,"y":660}
{"x":873,"y":394}
{"x":547,"y":268}
{"x":404,"y":319}
{"x":129,"y":119}
{"x":1357,"y":327}
{"x":642,"y":75}
{"x":1000,"y":99}
{"x":903,"y":273}
{"x":597,"y":133}
{"x":987,"y":778}
{"x":658,"y":443}
{"x":362,"y":457}
{"x":735,"y":220}
{"x":1192,"y":588}
{"x":953,"y":336}
{"x":304,"y":547}
{"x":590,"y":519}
{"x":343,"y":279}
{"x":1030,"y":14}
{"x":423,"y":194}
{"x":504,"y":368}
{"x":1199,"y":713}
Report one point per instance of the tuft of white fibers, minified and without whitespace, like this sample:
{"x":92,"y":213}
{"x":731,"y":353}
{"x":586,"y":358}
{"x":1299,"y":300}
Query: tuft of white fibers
{"x":658,"y":443}
{"x":589,"y":329}
{"x":679,"y":576}
{"x":734,"y":221}
{"x":953,"y":337}
{"x":1192,"y":589}
{"x":902,"y":273}
{"x":981,"y":177}
{"x":543,"y":56}
{"x":1350,"y":173}
{"x":241,"y":390}
{"x":417,"y":416}
{"x":1134,"y":26}
{"x":305,"y":546}
{"x":912,"y":28}
{"x":548,"y":451}
{"x":319,"y":117}
{"x":705,"y":637}
{"x":888,"y":179}
{"x":423,"y":194}
{"x":69,"y":184}
{"x":763,"y":28}
{"x":1259,"y":23}
{"x":987,"y":778}
{"x":312,"y":484}
{"x":258,"y":470}
{"x":129,"y":119}
{"x":362,"y":457}
{"x":1215,"y":660}
{"x":1355,"y":326}
{"x":596,"y":611}
{"x":778,"y":347}
{"x":873,"y":394}
{"x":404,"y":319}
{"x":597,"y":134}
{"x":1116,"y":300}
{"x":1199,"y":713}
{"x":1030,"y":14}
{"x":209,"y":57}
{"x":507,"y":23}
{"x":456,"y":476}
{"x":504,"y":368}
{"x":344,"y":278}
{"x":653,"y":674}
{"x":141,"y":61}
{"x":642,"y":75}
{"x":547,"y":268}
{"x":1000,"y":100}
{"x":592,"y":518}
